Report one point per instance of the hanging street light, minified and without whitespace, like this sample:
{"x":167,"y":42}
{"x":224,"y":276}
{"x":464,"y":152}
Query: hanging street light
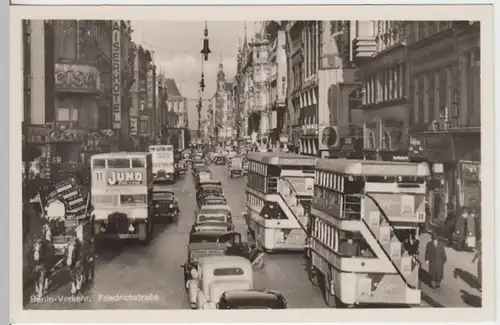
{"x":206,"y":49}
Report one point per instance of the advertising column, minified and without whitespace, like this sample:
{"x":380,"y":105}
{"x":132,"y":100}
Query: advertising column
{"x":116,"y":75}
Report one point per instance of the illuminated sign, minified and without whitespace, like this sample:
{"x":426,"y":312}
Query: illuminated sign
{"x":77,"y":77}
{"x":149,"y":90}
{"x":125,"y":178}
{"x":116,"y":78}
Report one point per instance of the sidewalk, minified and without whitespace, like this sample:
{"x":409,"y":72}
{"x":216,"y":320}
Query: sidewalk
{"x":459,"y":287}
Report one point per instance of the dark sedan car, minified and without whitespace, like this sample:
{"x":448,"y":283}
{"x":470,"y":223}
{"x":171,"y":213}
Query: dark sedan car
{"x":252,"y":299}
{"x":165,"y":204}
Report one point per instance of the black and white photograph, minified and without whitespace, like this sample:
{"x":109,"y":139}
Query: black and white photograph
{"x":252,"y":164}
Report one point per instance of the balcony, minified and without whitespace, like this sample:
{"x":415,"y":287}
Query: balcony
{"x":364,"y":47}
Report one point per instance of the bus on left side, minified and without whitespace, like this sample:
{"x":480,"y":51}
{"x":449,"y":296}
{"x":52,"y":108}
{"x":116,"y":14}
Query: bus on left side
{"x":121,"y":192}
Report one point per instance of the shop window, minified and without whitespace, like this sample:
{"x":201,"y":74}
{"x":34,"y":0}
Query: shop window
{"x":67,"y":114}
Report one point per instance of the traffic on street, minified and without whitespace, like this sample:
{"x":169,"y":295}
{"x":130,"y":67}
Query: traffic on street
{"x":175,"y":201}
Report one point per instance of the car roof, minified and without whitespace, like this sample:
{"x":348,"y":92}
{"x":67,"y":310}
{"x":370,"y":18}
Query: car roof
{"x":225,"y":260}
{"x":160,"y":188}
{"x":216,"y":206}
{"x":263,"y":294}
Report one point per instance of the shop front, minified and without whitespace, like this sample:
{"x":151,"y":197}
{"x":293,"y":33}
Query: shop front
{"x":77,"y":99}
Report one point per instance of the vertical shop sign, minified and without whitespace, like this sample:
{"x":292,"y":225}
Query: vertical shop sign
{"x":149,"y":89}
{"x":116,"y":74}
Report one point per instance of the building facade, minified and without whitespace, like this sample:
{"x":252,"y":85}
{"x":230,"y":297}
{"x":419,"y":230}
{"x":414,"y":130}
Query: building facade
{"x":256,"y":69}
{"x":38,"y":90}
{"x":223,"y":109}
{"x":275,"y":32}
{"x":323,"y":83}
{"x":421,"y":98}
{"x":175,"y":128}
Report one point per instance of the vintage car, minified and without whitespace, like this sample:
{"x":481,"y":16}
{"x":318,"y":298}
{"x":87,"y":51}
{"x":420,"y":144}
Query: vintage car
{"x":216,"y":275}
{"x":208,"y":189}
{"x":212,"y":199}
{"x":181,"y":167}
{"x":212,"y":226}
{"x":207,"y":243}
{"x":165,"y":205}
{"x":216,"y":209}
{"x":252,"y":299}
{"x":203,"y":176}
{"x":220,"y":160}
{"x":214,"y":218}
{"x":198,"y":163}
{"x":235,"y":168}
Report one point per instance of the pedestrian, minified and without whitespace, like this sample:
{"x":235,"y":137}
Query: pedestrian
{"x":461,"y":229}
{"x":269,"y":211}
{"x":470,"y":242}
{"x":449,"y":224}
{"x":478,"y":258}
{"x":435,"y":258}
{"x":348,"y":248}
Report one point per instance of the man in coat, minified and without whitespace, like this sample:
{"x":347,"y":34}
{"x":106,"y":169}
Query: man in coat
{"x":435,"y":258}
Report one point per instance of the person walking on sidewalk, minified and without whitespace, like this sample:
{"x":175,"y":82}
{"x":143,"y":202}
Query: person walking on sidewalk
{"x":478,"y":257}
{"x":461,"y":229}
{"x":435,"y":258}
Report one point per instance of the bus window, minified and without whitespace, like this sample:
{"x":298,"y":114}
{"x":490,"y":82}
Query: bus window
{"x":119,"y":163}
{"x":138,"y":163}
{"x":353,"y":244}
{"x":99,"y":163}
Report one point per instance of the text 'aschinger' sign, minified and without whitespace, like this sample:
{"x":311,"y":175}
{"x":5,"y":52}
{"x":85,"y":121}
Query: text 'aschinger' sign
{"x":116,"y":74}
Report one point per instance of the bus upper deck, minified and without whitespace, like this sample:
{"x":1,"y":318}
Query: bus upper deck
{"x":367,"y":213}
{"x":279,"y":192}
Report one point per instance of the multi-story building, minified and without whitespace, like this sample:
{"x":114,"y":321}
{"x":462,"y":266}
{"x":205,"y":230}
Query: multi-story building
{"x":38,"y":92}
{"x":222,"y":108}
{"x":277,"y":88}
{"x":256,"y":69}
{"x":323,"y":86}
{"x":175,"y":129}
{"x":421,"y":96}
{"x":144,"y":105}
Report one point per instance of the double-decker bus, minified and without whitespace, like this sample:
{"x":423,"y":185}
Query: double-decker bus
{"x":121,"y":189}
{"x":278,"y":199}
{"x":363,"y":235}
{"x":163,"y":162}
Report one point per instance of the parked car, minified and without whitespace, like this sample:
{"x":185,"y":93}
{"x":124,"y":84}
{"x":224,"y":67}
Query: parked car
{"x":216,"y":275}
{"x":252,"y":299}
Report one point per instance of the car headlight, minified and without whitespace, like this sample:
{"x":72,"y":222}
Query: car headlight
{"x":157,"y":206}
{"x":171,"y":206}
